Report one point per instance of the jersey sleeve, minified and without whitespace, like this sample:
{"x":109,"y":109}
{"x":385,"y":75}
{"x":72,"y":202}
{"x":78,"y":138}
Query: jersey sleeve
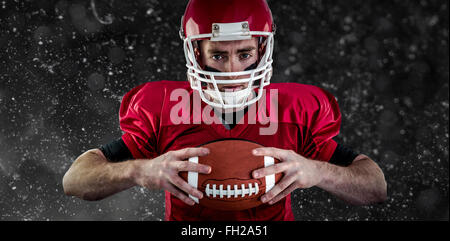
{"x":324,"y":124}
{"x":139,"y":122}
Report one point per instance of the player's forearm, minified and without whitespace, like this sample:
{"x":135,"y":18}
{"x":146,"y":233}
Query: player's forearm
{"x":360,"y":183}
{"x":92,"y":177}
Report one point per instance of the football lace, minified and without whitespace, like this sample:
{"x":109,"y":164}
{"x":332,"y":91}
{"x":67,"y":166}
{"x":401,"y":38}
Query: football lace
{"x":229,"y":192}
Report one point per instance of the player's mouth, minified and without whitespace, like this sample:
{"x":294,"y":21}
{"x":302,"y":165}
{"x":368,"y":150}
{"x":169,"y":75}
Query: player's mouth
{"x":231,"y":88}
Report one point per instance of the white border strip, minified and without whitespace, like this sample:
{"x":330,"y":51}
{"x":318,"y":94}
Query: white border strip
{"x":193,"y":178}
{"x":270,"y":179}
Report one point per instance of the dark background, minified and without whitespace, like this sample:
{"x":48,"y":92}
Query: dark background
{"x":63,"y":74}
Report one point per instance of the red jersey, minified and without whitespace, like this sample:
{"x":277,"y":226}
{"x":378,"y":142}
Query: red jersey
{"x":155,"y":121}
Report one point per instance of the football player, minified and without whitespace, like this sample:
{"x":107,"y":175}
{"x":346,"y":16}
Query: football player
{"x":228,"y":47}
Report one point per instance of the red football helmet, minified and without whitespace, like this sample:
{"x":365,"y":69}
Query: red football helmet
{"x":228,"y":20}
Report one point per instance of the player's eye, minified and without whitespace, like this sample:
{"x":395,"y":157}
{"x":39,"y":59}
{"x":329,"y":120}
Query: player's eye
{"x":245,"y":56}
{"x":217,"y":57}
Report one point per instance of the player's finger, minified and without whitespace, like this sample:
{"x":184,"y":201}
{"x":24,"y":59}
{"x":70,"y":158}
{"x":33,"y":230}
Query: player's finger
{"x":265,"y":171}
{"x":271,"y":151}
{"x":278,"y":188}
{"x":184,"y":186}
{"x":186,"y":166}
{"x":179,"y":194}
{"x":283,"y":194}
{"x":186,"y":153}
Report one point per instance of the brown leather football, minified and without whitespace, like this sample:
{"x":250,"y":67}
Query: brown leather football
{"x":230,"y":185}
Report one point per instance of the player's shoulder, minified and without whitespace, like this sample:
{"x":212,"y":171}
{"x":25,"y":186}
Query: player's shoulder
{"x":151,"y":95}
{"x":302,"y":95}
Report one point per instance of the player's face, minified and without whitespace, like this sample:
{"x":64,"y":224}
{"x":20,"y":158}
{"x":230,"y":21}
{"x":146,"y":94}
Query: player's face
{"x":229,"y":56}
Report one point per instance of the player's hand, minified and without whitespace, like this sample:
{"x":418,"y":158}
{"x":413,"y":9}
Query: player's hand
{"x":162,"y":172}
{"x":299,"y":172}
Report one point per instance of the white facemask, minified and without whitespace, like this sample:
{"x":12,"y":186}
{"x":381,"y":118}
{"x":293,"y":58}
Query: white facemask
{"x":198,"y":77}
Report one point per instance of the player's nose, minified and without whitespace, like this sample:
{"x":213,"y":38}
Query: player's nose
{"x":233,"y":65}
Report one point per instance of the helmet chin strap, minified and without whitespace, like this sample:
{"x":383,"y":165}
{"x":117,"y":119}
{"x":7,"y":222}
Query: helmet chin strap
{"x":231,"y":97}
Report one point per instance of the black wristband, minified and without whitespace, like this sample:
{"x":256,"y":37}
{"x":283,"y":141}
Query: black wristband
{"x":116,"y":151}
{"x":343,"y":156}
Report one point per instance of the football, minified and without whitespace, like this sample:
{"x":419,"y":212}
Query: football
{"x":230,"y":185}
